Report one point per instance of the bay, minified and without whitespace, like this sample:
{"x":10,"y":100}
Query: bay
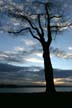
{"x":33,"y":89}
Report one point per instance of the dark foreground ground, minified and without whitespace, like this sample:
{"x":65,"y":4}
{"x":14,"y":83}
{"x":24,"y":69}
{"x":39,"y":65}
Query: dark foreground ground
{"x":39,"y":94}
{"x":35,"y":99}
{"x":43,"y":93}
{"x":49,"y":94}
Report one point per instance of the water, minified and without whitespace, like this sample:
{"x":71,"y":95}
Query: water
{"x":22,"y":90}
{"x":31,"y":89}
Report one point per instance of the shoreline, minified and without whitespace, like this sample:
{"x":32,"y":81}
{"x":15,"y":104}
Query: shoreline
{"x":27,"y":86}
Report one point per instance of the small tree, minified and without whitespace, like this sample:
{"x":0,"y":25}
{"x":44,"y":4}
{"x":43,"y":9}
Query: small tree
{"x":41,"y":19}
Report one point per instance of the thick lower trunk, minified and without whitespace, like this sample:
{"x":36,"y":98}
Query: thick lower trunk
{"x":48,"y":72}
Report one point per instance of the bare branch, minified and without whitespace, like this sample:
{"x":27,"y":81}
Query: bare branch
{"x":42,"y":32}
{"x":61,"y":26}
{"x":34,"y":35}
{"x":18,"y":15}
{"x":17,"y":32}
{"x":48,"y":26}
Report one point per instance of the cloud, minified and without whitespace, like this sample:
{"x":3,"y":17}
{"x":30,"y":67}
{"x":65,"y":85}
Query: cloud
{"x":34,"y":60}
{"x":70,"y":48}
{"x":39,"y":54}
{"x":57,"y":52}
{"x":29,"y":42}
{"x":18,"y":49}
{"x":60,"y":53}
{"x":32,"y":75}
{"x":1,"y":2}
{"x":19,"y":75}
{"x":11,"y":57}
{"x":3,"y":55}
{"x":21,"y":55}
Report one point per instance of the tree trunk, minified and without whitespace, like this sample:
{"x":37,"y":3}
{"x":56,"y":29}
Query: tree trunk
{"x":48,"y":71}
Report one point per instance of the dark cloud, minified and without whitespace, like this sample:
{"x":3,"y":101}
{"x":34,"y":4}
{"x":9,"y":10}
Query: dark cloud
{"x":27,"y":75}
{"x":11,"y":57}
{"x":17,"y":74}
{"x":20,"y":56}
{"x":60,"y":53}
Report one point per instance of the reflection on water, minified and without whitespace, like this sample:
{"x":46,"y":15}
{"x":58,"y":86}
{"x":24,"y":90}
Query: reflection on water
{"x":31,"y":89}
{"x":22,"y":90}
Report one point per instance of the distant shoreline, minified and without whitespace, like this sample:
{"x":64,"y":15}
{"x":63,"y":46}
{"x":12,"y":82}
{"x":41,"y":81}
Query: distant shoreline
{"x":28,"y":86}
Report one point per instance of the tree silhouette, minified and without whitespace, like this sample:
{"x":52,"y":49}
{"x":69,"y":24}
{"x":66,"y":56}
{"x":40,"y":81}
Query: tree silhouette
{"x":41,"y":20}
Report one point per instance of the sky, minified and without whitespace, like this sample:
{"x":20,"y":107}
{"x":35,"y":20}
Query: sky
{"x":26,"y":51}
{"x":23,"y":50}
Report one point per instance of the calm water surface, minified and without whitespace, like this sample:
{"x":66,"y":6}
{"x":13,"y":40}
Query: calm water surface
{"x":31,"y":89}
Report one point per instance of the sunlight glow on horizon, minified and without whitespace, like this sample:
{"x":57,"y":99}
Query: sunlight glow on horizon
{"x":57,"y":81}
{"x":34,"y":60}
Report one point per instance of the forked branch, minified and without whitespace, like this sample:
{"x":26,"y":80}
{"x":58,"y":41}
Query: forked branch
{"x":48,"y":26}
{"x":18,"y":15}
{"x":42,"y":32}
{"x":21,"y":30}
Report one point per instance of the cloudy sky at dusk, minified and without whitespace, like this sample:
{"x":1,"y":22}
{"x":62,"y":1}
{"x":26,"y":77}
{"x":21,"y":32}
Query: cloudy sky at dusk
{"x":26,"y":51}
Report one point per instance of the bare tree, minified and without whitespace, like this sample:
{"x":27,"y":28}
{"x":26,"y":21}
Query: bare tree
{"x":42,"y":20}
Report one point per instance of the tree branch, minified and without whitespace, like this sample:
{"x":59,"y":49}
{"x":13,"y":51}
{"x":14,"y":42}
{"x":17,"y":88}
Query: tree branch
{"x":17,"y":32}
{"x":18,"y":15}
{"x":48,"y":26}
{"x":34,"y":35}
{"x":61,"y":26}
{"x":42,"y":32}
